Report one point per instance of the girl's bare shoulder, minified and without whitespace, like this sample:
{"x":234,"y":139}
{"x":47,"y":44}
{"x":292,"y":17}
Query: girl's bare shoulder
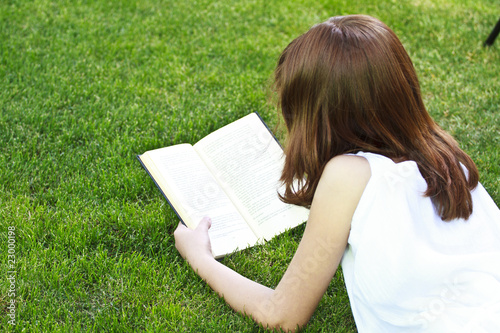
{"x":347,"y":170}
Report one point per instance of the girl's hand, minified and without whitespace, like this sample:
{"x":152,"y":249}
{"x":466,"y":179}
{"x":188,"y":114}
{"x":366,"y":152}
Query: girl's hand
{"x":194,"y":244}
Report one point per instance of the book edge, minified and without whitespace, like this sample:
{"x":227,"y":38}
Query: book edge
{"x":159,"y":188}
{"x":271,"y":132}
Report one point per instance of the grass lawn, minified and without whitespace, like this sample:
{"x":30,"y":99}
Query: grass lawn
{"x":86,"y":85}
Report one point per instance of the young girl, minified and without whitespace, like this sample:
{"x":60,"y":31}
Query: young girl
{"x":391,"y":195}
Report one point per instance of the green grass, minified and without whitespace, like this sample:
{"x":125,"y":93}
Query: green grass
{"x":87,"y":85}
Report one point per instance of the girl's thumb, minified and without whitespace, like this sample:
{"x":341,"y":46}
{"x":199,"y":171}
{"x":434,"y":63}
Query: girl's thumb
{"x":205,"y":222}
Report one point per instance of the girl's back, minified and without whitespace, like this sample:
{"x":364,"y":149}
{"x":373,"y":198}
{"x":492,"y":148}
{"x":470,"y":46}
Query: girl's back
{"x":407,"y":269}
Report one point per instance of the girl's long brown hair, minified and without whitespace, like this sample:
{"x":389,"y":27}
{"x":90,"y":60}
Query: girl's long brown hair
{"x":348,"y":85}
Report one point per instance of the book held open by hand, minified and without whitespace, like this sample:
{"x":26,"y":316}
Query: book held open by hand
{"x":232,"y":176}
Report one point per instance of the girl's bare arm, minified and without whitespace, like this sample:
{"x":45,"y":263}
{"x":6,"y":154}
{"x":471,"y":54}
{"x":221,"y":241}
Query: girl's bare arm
{"x":291,"y":304}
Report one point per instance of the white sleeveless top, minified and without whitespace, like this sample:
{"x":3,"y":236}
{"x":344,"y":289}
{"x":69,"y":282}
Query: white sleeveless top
{"x":406,"y":270}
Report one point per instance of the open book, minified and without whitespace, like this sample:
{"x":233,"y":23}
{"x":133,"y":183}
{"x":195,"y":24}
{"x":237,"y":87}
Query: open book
{"x":232,"y":176}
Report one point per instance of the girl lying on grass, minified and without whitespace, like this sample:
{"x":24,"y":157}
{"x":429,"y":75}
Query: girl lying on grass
{"x":391,"y":196}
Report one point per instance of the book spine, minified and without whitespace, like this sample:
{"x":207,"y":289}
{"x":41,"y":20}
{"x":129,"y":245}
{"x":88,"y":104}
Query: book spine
{"x":161,"y":191}
{"x":275,"y":138}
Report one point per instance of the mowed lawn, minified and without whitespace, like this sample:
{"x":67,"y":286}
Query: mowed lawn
{"x":87,"y":85}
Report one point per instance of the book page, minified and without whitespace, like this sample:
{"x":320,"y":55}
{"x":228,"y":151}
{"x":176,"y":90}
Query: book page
{"x":194,"y":193}
{"x":247,"y":161}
